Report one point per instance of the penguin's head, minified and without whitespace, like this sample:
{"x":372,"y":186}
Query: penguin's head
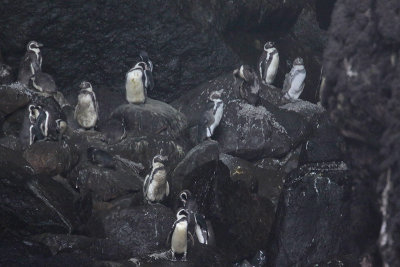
{"x":298,"y":61}
{"x":159,"y":159}
{"x":216,"y":96}
{"x":61,"y":126}
{"x":184,"y":196}
{"x":144,"y":56}
{"x":32,"y":45}
{"x":141,"y":65}
{"x":182,"y":213}
{"x":86,"y":86}
{"x":269,"y":45}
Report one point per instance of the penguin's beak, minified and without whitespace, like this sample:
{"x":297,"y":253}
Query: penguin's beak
{"x":40,"y":44}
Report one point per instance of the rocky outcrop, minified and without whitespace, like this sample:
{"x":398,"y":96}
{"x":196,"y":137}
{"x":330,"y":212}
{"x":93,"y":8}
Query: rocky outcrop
{"x":361,"y":65}
{"x":13,"y":97}
{"x":151,"y":118}
{"x":51,"y":158}
{"x":312,"y":219}
{"x":252,"y":132}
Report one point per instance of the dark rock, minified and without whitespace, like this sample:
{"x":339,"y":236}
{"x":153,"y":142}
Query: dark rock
{"x":361,"y":95}
{"x":30,"y":204}
{"x":263,"y":182}
{"x":151,"y":118}
{"x":6,"y":76}
{"x":13,"y":97}
{"x":312,"y":221}
{"x":61,"y":243}
{"x":285,"y":164}
{"x":179,"y":50}
{"x":105,"y":184}
{"x":114,"y":131}
{"x":51,"y":158}
{"x":324,"y":145}
{"x":273,"y":131}
{"x":136,"y":231}
{"x":203,"y":153}
{"x":230,"y":205}
{"x":10,"y":142}
{"x":311,"y":112}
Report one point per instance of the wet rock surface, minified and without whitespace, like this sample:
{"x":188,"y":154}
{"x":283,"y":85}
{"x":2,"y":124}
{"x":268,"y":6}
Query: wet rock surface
{"x":151,"y":118}
{"x":13,"y":97}
{"x":312,"y":216}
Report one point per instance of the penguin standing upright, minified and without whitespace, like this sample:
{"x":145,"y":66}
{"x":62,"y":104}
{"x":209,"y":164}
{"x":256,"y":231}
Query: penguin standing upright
{"x":137,"y":83}
{"x":87,"y":109}
{"x":295,"y":80}
{"x":268,"y":63}
{"x":178,"y":235}
{"x":211,"y":117}
{"x":39,"y":123}
{"x":148,"y":70}
{"x":43,"y":82}
{"x":250,"y":86}
{"x":31,"y":62}
{"x":155,"y":186}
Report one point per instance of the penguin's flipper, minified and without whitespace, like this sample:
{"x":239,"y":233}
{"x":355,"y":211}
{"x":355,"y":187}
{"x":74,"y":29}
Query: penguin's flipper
{"x":146,"y":184}
{"x":191,"y":237}
{"x":167,"y":189}
{"x":171,"y":232}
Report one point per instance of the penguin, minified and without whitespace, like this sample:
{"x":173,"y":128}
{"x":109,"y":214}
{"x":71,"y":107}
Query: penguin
{"x":211,"y":117}
{"x":101,"y":158}
{"x":155,"y":186}
{"x":268,"y":63}
{"x":189,"y":203}
{"x":31,"y":62}
{"x":39,"y":119}
{"x":201,"y":229}
{"x":145,"y":58}
{"x":43,"y":82}
{"x":178,"y":236}
{"x":87,"y":109}
{"x":135,"y":85}
{"x":294,"y":80}
{"x":249,"y":86}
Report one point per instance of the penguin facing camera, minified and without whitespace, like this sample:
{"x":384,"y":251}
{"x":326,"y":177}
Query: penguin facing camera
{"x":295,"y":80}
{"x":101,"y":158}
{"x":268,"y":63}
{"x":138,"y":81}
{"x":211,"y":117}
{"x":155,"y":186}
{"x":87,"y":108}
{"x":249,"y":86}
{"x":31,"y":63}
{"x":178,"y":236}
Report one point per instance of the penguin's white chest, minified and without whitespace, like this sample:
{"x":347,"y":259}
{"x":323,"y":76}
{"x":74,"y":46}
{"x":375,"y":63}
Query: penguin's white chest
{"x":179,"y":238}
{"x":218,"y":112}
{"x":134,"y":87}
{"x":159,"y":187}
{"x":85,"y":111}
{"x":297,"y":85}
{"x":272,"y":69}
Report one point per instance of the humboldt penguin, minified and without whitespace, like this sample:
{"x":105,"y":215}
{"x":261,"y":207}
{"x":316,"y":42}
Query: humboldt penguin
{"x":268,"y":63}
{"x":31,"y":63}
{"x":43,"y":82}
{"x":294,"y":80}
{"x":178,"y":236}
{"x":211,"y":117}
{"x":155,"y":186}
{"x":249,"y":86}
{"x":87,"y":109}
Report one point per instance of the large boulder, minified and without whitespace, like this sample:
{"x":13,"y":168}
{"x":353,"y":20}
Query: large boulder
{"x":312,"y":220}
{"x":13,"y":97}
{"x":32,"y":204}
{"x":135,"y":231}
{"x":247,"y":131}
{"x":151,"y":118}
{"x":51,"y":158}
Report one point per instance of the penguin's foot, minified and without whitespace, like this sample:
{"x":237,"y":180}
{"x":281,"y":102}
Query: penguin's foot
{"x":184,"y":256}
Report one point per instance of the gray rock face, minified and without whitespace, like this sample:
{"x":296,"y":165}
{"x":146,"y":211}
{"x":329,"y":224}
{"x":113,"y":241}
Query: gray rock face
{"x":105,"y":184}
{"x":51,"y":158}
{"x":136,"y":231}
{"x":361,"y":94}
{"x":6,"y":76}
{"x":151,"y":118}
{"x":31,"y":204}
{"x":247,"y":131}
{"x":13,"y":97}
{"x":312,"y":218}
